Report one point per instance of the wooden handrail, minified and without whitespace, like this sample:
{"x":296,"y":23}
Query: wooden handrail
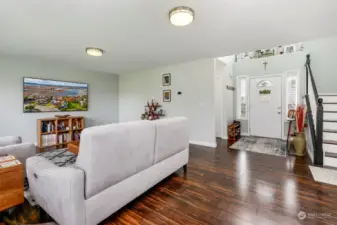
{"x":309,"y":74}
{"x":317,"y":137}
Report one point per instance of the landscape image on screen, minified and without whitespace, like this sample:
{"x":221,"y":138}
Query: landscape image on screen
{"x":54,"y":96}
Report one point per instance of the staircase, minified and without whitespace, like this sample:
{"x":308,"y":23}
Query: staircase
{"x":329,"y":129}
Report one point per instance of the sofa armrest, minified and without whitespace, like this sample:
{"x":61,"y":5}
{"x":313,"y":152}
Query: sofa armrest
{"x":58,"y":190}
{"x":9,"y":140}
{"x":20,"y":151}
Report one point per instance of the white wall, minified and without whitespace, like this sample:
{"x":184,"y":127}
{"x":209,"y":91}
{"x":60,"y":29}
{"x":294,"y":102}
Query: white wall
{"x":277,"y":65}
{"x":323,"y":63}
{"x":224,"y":105}
{"x":229,"y":94}
{"x":219,"y":70}
{"x":103,"y":94}
{"x":196,"y":82}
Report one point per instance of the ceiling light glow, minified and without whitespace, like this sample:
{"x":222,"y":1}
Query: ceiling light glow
{"x":181,"y":16}
{"x":94,"y":51}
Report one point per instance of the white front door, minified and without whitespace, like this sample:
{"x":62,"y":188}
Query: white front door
{"x":266,"y":107}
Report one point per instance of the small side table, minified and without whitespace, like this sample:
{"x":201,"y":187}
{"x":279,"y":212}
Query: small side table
{"x":74,"y":147}
{"x":11,"y":183}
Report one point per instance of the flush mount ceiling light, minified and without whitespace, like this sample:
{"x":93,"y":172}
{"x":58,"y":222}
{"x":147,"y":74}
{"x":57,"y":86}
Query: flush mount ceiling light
{"x":94,"y":51}
{"x":181,"y":16}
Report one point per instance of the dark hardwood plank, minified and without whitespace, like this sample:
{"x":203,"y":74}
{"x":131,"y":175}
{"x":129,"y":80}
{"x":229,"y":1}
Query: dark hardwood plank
{"x":225,"y":186}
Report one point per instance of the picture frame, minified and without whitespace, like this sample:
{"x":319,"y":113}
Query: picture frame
{"x":289,"y":49}
{"x":38,"y":99}
{"x":166,"y":95}
{"x":291,"y":113}
{"x":166,"y":78}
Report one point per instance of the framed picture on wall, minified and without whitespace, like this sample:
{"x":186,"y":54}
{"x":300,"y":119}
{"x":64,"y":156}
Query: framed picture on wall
{"x":290,"y":49}
{"x":40,"y":95}
{"x":166,"y":79}
{"x":167,"y":96}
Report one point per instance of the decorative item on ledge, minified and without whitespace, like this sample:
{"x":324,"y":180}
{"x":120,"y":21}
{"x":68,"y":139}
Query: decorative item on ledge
{"x":62,"y":116}
{"x":152,"y":111}
{"x":59,"y":131}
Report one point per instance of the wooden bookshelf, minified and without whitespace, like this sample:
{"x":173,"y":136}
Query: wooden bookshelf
{"x":56,"y":132}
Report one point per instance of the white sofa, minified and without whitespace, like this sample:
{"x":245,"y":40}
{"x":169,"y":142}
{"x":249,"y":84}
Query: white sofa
{"x":12,"y":145}
{"x":116,"y":164}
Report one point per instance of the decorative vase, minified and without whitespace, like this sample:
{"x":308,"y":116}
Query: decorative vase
{"x":299,"y":144}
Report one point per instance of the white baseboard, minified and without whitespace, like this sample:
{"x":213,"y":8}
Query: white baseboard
{"x":225,"y":138}
{"x":206,"y":144}
{"x":284,"y":138}
{"x":245,"y":134}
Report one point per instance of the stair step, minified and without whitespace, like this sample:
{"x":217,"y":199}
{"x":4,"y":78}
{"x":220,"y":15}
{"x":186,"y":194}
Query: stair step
{"x":329,"y":107}
{"x":329,"y":161}
{"x":330,"y":121}
{"x":330,"y":154}
{"x":329,"y":148}
{"x":327,"y":95}
{"x":329,"y":103}
{"x":330,"y":142}
{"x":329,"y":134}
{"x":329,"y":99}
{"x":330,"y":131}
{"x":330,"y":126}
{"x":330,"y":115}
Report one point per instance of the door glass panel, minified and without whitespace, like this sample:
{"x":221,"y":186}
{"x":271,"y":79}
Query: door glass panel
{"x":264,"y":83}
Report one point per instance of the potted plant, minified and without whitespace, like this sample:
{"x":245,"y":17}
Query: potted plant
{"x":265,"y":92}
{"x":299,"y":140}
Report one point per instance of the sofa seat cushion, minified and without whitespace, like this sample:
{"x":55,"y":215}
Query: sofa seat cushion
{"x":109,"y":154}
{"x":171,"y":137}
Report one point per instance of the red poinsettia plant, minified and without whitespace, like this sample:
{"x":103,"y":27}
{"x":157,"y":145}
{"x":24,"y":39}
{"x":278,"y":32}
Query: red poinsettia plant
{"x":300,"y":118}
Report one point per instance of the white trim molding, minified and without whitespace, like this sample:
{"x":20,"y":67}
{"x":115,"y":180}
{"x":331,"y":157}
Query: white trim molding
{"x":202,"y":143}
{"x":245,"y":134}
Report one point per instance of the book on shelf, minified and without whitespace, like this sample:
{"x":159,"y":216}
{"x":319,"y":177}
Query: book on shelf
{"x":47,"y":127}
{"x":63,"y":138}
{"x":48,"y":139}
{"x":76,"y":136}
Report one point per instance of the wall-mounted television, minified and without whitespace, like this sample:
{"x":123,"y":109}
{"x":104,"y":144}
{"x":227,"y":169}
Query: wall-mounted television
{"x":54,"y":96}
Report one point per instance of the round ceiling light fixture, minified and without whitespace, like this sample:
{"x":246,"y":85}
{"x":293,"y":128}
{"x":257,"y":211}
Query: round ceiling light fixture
{"x":94,"y":51}
{"x":181,"y":16}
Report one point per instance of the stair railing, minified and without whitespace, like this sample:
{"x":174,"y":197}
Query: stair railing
{"x":315,"y":114}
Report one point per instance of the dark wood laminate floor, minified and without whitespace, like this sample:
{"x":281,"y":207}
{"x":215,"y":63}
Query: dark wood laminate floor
{"x":224,"y":186}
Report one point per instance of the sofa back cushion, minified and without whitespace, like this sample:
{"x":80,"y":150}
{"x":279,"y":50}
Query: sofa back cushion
{"x":9,"y":140}
{"x":109,"y":154}
{"x":171,"y":137}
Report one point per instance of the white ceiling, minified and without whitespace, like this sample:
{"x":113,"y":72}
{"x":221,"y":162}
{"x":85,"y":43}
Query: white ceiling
{"x":137,"y":34}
